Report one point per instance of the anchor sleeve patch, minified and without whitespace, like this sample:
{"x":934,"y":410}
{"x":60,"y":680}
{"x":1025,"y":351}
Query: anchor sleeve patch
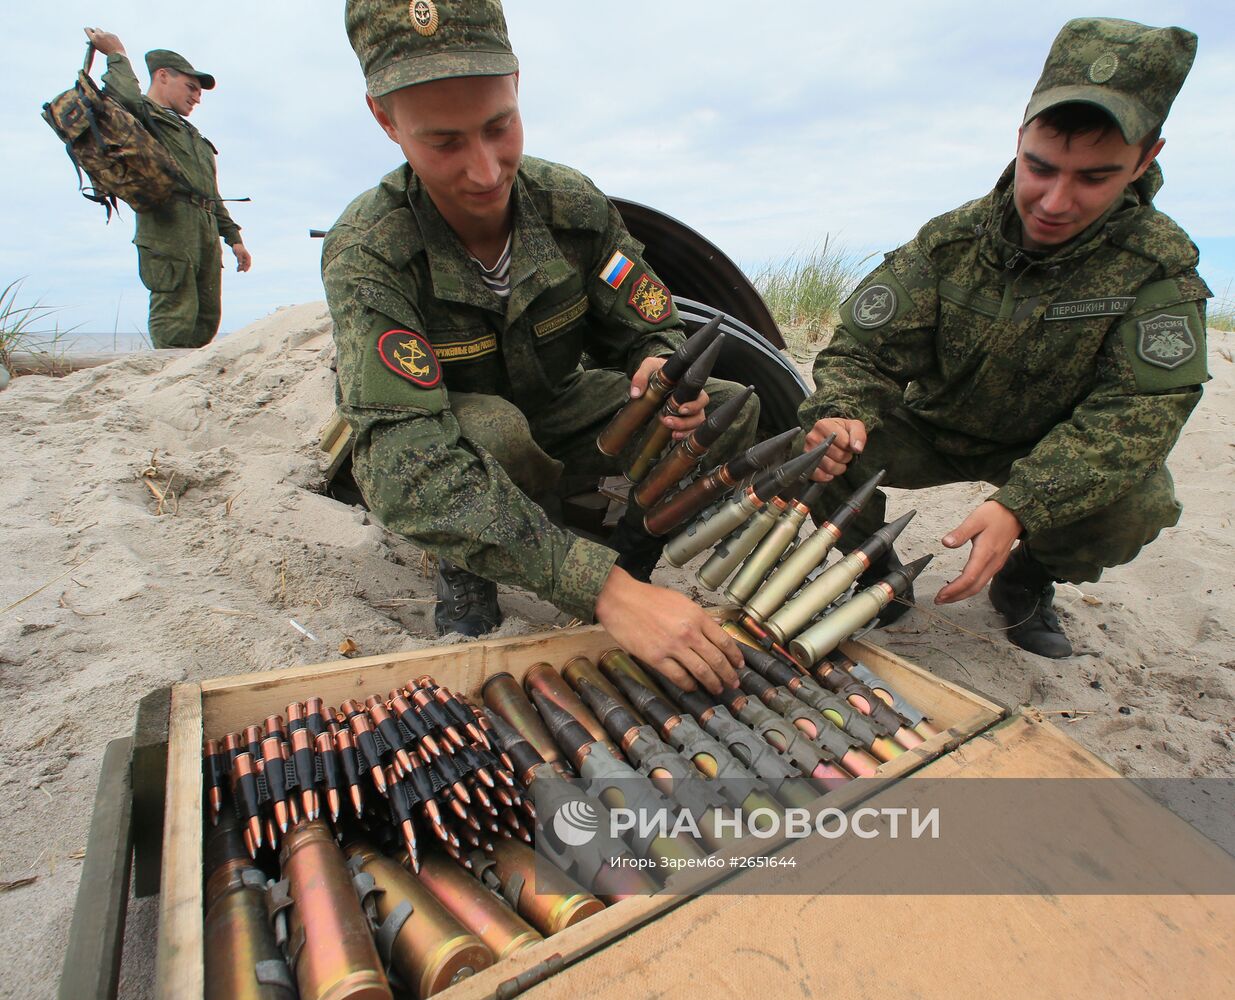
{"x":410,"y":355}
{"x":1165,"y":340}
{"x":650,"y":299}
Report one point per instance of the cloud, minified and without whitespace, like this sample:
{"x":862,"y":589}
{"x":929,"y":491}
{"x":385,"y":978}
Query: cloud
{"x":764,"y":128}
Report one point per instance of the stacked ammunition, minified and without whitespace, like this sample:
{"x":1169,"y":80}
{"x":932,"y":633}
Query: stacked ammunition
{"x":434,"y":882}
{"x":418,"y":761}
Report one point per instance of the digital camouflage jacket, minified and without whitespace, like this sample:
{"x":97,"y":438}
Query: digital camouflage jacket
{"x":174,"y":224}
{"x":413,"y":321}
{"x":1093,"y":354}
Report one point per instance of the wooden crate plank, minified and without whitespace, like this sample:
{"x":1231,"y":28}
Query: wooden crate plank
{"x":96,"y":938}
{"x":149,"y":784}
{"x":178,"y":965}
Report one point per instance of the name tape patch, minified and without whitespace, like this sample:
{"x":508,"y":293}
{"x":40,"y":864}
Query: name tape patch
{"x":1109,"y":305}
{"x":410,"y":355}
{"x":564,"y":318}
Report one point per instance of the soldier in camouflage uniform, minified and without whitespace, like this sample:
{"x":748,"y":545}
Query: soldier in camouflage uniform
{"x":178,"y":253}
{"x":1048,"y":338}
{"x":465,"y":289}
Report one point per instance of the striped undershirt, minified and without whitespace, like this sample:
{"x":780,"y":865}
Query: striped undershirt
{"x":497,"y":277}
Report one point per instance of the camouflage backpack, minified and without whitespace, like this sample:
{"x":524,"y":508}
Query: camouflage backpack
{"x":119,"y":153}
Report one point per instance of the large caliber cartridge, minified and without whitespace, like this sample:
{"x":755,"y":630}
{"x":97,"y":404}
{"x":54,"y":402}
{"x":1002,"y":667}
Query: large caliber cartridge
{"x":502,"y":930}
{"x":774,"y":544}
{"x":675,"y":509}
{"x":503,"y":695}
{"x":580,"y":668}
{"x":619,"y":786}
{"x":602,"y":863}
{"x":672,"y":774}
{"x":793,"y":615}
{"x":687,"y":544}
{"x":819,"y":764}
{"x":797,"y":566}
{"x":242,"y":960}
{"x":543,"y":678}
{"x":428,"y":947}
{"x":874,"y":696}
{"x":832,"y":629}
{"x":686,"y":391}
{"x":730,"y":553}
{"x":336,"y":957}
{"x":689,"y":452}
{"x":637,"y":412}
{"x":546,"y":898}
{"x":779,"y":774}
{"x":729,"y":776}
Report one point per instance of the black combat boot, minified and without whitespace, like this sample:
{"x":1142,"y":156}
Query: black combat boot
{"x":1022,"y":592}
{"x":896,"y":608}
{"x":466,"y":603}
{"x":638,"y":552}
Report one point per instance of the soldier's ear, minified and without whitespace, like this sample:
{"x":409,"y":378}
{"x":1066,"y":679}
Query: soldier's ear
{"x":1148,"y":158}
{"x":383,"y":119}
{"x":1020,"y":134}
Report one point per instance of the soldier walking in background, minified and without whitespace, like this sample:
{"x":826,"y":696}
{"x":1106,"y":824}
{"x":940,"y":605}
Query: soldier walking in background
{"x":1048,"y":338}
{"x":465,"y":290}
{"x":178,"y":253}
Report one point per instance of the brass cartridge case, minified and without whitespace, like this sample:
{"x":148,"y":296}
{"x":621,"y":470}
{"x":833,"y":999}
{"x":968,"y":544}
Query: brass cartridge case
{"x":337,"y":959}
{"x":815,"y":596}
{"x":685,"y":545}
{"x":543,"y":678}
{"x":733,"y":550}
{"x":633,"y":415}
{"x":475,"y":907}
{"x":503,"y":695}
{"x":766,"y":554}
{"x":241,"y":959}
{"x":788,"y":576}
{"x":669,"y":471}
{"x":550,"y":900}
{"x":432,"y":949}
{"x":580,"y":668}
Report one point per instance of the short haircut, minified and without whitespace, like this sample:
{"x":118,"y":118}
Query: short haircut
{"x":1076,"y":118}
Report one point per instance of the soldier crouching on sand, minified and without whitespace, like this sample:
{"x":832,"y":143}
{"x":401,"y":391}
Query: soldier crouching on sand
{"x":178,"y":253}
{"x":465,"y":289}
{"x":1048,"y":338}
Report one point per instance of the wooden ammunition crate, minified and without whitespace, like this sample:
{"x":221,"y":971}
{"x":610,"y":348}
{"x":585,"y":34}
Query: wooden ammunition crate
{"x":723,"y":945}
{"x":219,"y":706}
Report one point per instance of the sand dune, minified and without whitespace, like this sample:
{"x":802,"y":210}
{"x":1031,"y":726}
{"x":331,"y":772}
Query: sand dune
{"x":108,"y":592}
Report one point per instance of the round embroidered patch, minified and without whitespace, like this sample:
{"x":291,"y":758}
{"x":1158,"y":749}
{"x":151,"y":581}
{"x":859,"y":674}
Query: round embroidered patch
{"x":874,"y":306}
{"x":1103,"y":68}
{"x":424,"y":16}
{"x":410,"y":355}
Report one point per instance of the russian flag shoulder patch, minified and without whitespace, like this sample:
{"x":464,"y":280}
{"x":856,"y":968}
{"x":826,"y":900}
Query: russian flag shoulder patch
{"x":616,"y":270}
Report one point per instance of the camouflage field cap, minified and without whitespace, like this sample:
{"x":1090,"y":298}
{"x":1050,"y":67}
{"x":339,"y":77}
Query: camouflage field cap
{"x":1129,"y":70}
{"x":167,"y":59}
{"x":400,"y":44}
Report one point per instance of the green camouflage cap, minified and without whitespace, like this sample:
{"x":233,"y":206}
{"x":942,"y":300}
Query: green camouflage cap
{"x":400,"y":44}
{"x":1131,"y":71}
{"x":167,"y":59}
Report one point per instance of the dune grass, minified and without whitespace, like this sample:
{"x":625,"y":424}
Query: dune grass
{"x":24,"y":328}
{"x":1220,"y":314}
{"x":805,"y":290}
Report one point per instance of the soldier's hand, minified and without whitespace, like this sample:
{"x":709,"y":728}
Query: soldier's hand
{"x":639,"y":384}
{"x":669,"y":632}
{"x":993,"y":529}
{"x":849,"y":443}
{"x":689,"y":416}
{"x":105,"y":41}
{"x":244,"y":259}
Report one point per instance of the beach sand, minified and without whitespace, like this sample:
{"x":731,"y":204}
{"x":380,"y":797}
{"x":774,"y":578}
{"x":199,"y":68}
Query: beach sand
{"x":106,"y":593}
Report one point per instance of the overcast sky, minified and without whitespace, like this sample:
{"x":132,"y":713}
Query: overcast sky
{"x":763,"y":126}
